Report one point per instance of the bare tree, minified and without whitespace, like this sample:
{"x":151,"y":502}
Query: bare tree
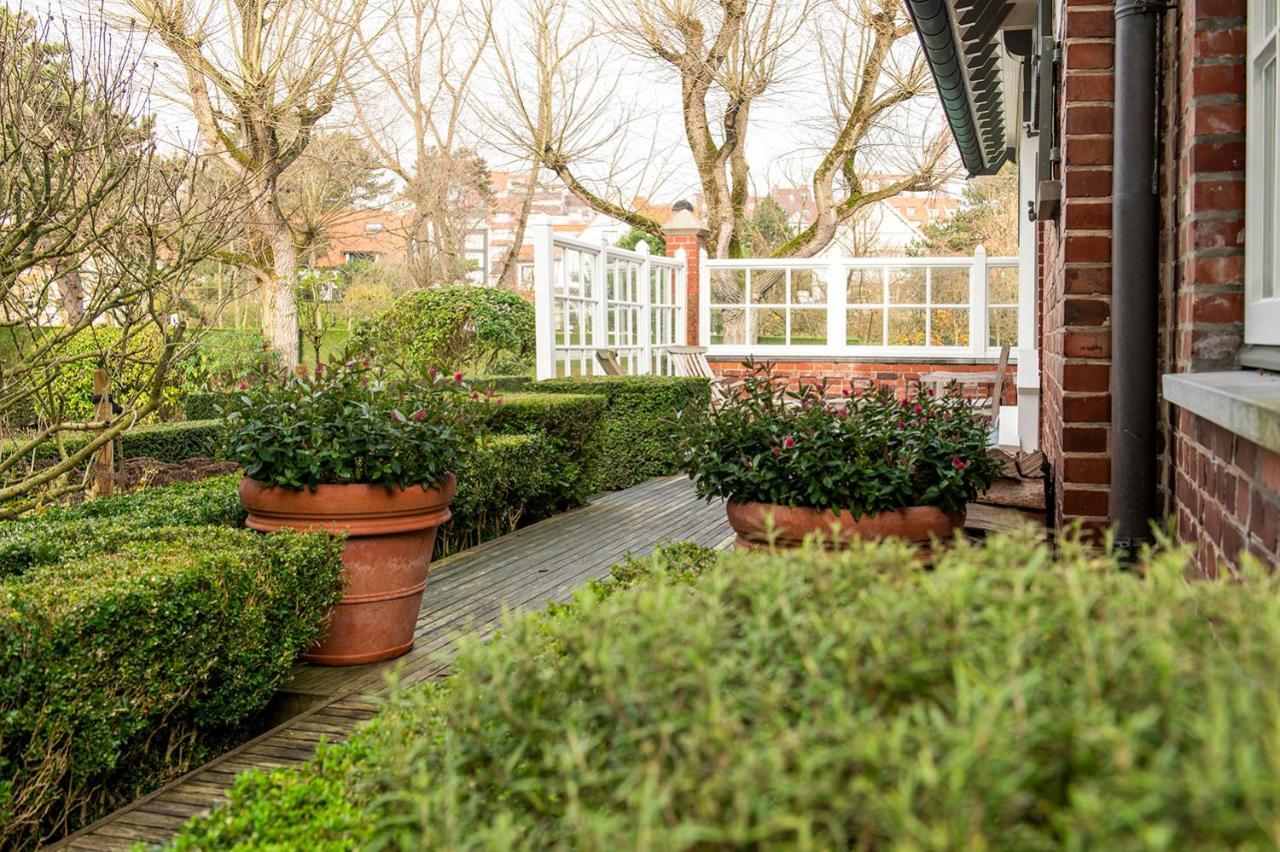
{"x":729,"y":55}
{"x":418,"y":72}
{"x":258,"y":76}
{"x":84,"y":192}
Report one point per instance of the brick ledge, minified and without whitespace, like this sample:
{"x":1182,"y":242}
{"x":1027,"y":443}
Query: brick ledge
{"x":1244,"y":402}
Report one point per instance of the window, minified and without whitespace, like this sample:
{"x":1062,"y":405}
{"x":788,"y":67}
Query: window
{"x":908,"y":306}
{"x":1262,"y":224}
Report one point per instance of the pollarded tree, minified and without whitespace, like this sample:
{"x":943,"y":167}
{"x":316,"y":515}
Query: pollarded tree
{"x":728,"y":56}
{"x":258,"y":76}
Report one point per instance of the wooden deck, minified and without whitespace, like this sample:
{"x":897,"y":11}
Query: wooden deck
{"x":468,"y":592}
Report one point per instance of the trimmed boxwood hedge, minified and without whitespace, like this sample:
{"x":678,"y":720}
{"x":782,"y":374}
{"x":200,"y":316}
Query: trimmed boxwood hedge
{"x":123,"y":648}
{"x":204,"y":405}
{"x":639,"y":428}
{"x":571,"y":422}
{"x":1014,"y":697}
{"x":166,"y":442}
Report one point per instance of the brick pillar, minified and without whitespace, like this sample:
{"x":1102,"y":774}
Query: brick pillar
{"x":686,"y":231}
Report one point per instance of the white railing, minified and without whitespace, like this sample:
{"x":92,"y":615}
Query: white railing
{"x":876,"y":307}
{"x":593,"y":296}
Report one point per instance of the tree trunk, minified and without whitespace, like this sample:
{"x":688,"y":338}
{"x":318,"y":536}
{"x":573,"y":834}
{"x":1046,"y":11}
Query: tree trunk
{"x":279,"y":311}
{"x":71,"y":293}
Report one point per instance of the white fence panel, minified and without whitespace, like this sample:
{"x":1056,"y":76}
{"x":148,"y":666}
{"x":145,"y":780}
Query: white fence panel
{"x":590,"y":297}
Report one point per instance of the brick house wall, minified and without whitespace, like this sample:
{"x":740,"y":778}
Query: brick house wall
{"x":1223,"y":490}
{"x":1075,"y":272}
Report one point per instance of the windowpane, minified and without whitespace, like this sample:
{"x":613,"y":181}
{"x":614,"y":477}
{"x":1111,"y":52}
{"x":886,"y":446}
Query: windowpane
{"x":906,"y":327}
{"x":728,"y":326}
{"x":1003,"y":327}
{"x":907,"y":287}
{"x":808,"y":327}
{"x":866,"y":327}
{"x":950,"y":287}
{"x":728,"y":287}
{"x":1002,"y":285}
{"x":866,"y":286}
{"x":949,"y":327}
{"x":807,"y":288}
{"x":768,"y":286}
{"x":769,"y":326}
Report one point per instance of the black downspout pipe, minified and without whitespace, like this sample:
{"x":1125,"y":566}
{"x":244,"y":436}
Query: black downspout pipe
{"x":1134,"y":274}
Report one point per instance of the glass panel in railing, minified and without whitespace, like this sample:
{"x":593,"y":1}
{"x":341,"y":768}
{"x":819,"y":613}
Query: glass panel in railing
{"x":728,"y":287}
{"x":808,"y":288}
{"x":1002,"y":326}
{"x":729,"y":326}
{"x":865,"y":327}
{"x":907,"y":287}
{"x":949,"y":286}
{"x":808,"y":326}
{"x":1002,"y":285}
{"x":768,"y":286}
{"x":949,"y":327}
{"x":769,"y":326}
{"x":866,"y":287}
{"x":906,"y":326}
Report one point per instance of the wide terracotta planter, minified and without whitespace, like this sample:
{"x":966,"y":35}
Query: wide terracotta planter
{"x":791,"y":524}
{"x":390,"y":536}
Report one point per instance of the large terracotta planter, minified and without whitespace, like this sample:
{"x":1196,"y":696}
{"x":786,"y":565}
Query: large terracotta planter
{"x":390,"y":536}
{"x":790,"y":525}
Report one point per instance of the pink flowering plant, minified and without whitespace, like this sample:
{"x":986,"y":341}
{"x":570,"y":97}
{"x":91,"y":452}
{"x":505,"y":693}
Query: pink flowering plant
{"x":349,"y":422}
{"x":867,"y":453}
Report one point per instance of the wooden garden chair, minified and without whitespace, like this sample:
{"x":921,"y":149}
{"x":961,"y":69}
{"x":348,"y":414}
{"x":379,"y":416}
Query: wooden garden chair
{"x":692,"y":361}
{"x":986,"y":404}
{"x":608,"y":361}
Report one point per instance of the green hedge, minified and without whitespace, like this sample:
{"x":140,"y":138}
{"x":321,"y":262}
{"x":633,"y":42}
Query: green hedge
{"x":505,"y":482}
{"x":572,"y":422}
{"x":166,"y":442}
{"x":501,"y":384}
{"x":122,"y":647}
{"x":1015,"y":697}
{"x":204,"y":405}
{"x":639,"y":428}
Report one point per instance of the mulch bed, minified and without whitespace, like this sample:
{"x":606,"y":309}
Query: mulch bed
{"x":144,"y":472}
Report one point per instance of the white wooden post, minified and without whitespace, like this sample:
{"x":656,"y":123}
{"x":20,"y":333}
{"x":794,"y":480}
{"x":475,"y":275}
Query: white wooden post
{"x":600,"y":307}
{"x":645,"y":336}
{"x":837,"y":302}
{"x":704,"y":299}
{"x":680,"y":292}
{"x":544,"y":295}
{"x":978,"y":303}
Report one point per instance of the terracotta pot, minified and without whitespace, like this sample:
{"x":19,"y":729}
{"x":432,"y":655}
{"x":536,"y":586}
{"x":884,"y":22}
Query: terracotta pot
{"x":390,"y":536}
{"x":791,"y":524}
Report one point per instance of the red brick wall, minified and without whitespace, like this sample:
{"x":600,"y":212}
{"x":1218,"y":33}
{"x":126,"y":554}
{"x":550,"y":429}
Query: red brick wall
{"x":1075,"y":309}
{"x":1221,"y":488}
{"x":1226,"y":493}
{"x":847,"y":374}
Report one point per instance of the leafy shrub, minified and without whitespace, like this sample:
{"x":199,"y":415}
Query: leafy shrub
{"x":640,"y":426}
{"x":572,"y":424}
{"x":458,"y":326}
{"x":1013,"y":698}
{"x":222,"y":358}
{"x":205,"y":405}
{"x":136,"y":645}
{"x":871,"y":453}
{"x":346,"y":424}
{"x":131,"y":364}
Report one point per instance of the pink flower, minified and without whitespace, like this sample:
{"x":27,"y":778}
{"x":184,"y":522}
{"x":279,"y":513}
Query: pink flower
{"x":433,"y":372}
{"x":957,"y":463}
{"x":475,"y":394}
{"x":776,"y":452}
{"x":917,"y":409}
{"x":419,"y":415}
{"x":244,"y":385}
{"x":902,"y":424}
{"x":457,"y":377}
{"x":788,"y":443}
{"x":489,"y":392}
{"x":319,"y":369}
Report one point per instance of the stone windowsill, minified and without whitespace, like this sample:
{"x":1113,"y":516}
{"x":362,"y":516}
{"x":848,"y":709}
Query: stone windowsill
{"x":1245,"y":402}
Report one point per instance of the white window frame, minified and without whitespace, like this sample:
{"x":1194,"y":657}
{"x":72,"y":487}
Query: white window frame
{"x":1262,"y":313}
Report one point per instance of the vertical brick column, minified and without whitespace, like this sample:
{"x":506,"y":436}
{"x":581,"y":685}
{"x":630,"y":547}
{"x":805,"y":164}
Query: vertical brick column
{"x":1076,"y":307}
{"x":686,"y":231}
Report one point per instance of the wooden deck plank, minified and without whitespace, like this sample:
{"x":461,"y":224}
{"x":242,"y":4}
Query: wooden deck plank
{"x":472,"y":592}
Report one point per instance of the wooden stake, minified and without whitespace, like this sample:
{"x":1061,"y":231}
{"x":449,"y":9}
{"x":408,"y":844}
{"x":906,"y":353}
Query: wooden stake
{"x":104,"y":480}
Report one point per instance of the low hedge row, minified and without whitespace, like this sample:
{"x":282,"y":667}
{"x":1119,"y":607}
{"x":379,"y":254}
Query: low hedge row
{"x":166,"y":442}
{"x":1012,"y":698}
{"x":640,"y":425}
{"x":204,"y":405}
{"x":124,"y":648}
{"x":571,"y":423}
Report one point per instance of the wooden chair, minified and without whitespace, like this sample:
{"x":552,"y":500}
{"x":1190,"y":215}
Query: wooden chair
{"x":986,"y":404}
{"x":692,"y":361}
{"x":608,"y":361}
